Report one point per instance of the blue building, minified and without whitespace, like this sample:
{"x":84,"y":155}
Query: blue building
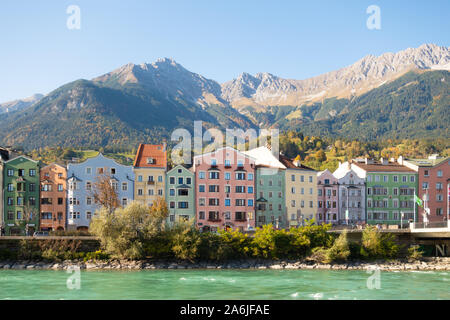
{"x":81,"y":178}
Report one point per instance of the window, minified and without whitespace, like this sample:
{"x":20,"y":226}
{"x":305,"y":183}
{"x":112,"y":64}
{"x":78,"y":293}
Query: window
{"x":88,"y":185}
{"x":46,"y":215}
{"x":171,"y":192}
{"x":88,"y":201}
{"x":292,"y":203}
{"x":88,"y":215}
{"x":302,"y":203}
{"x":201,"y":202}
{"x":32,"y":187}
{"x":439,"y":173}
{"x":292,"y":177}
{"x":113,"y":170}
{"x":20,"y":201}
{"x":250,"y":189}
{"x":227,"y":215}
{"x":124,"y":186}
{"x":46,"y":201}
{"x":150,"y":160}
{"x":227,"y":202}
{"x":227,"y":189}
{"x":188,"y":181}
{"x":74,"y":215}
{"x":201,"y":188}
{"x":10,"y":172}
{"x":60,"y":201}
{"x":172,"y":180}
{"x":250,"y":202}
{"x":412,"y":179}
{"x":160,"y":178}
{"x":32,"y":172}
{"x":227,"y":176}
{"x":240,"y":202}
{"x":201,"y":215}
{"x":183,"y":205}
{"x":19,"y":215}
{"x":10,"y":215}
{"x":310,"y":179}
{"x":213,"y":202}
{"x":32,"y":201}
{"x":21,"y":172}
{"x":227,"y":163}
{"x":60,"y":187}
{"x":183,"y":192}
{"x":310,"y":190}
{"x":404,"y":178}
{"x":250,"y":176}
{"x":438,"y":186}
{"x":213,"y":188}
{"x":311,"y":203}
{"x":213,"y":162}
{"x":88,"y":170}
{"x":139,"y":192}
{"x":439,"y":211}
{"x":160,"y":192}
{"x":139,"y":178}
{"x":180,"y":170}
{"x":385,"y":179}
{"x":240,"y":216}
{"x":293,"y":190}
{"x":439,"y":197}
{"x":319,"y":192}
{"x":424,"y":185}
{"x":240,"y":176}
{"x":151,"y":192}
{"x":327,"y":181}
{"x":213,"y":175}
{"x":302,"y":191}
{"x":240,"y":189}
{"x":100,"y":170}
{"x":10,"y":201}
{"x":172,"y":204}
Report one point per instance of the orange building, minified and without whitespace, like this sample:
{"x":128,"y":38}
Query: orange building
{"x":53,"y":197}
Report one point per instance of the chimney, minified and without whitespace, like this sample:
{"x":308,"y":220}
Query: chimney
{"x":368,"y":161}
{"x":383,"y":161}
{"x":433,"y":156}
{"x":296,"y":163}
{"x":400,"y":160}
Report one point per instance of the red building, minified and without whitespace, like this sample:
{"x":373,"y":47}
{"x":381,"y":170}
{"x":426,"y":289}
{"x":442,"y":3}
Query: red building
{"x":225,"y":190}
{"x":433,"y":187}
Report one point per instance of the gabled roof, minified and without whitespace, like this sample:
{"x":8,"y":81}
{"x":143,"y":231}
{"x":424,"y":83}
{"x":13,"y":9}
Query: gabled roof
{"x":54,"y":164}
{"x":157,"y":152}
{"x":229,"y":148}
{"x":29,"y":159}
{"x":289,"y":164}
{"x":427,"y":162}
{"x":265,"y":158}
{"x":378,"y":167}
{"x":181,"y":166}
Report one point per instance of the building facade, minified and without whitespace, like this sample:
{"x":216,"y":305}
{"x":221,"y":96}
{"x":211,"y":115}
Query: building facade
{"x":433,"y":187}
{"x":225,"y":195}
{"x":327,"y":198}
{"x":81,"y":179}
{"x":352,"y":192}
{"x":270,"y":184}
{"x":53,"y":202}
{"x":180,"y":194}
{"x":150,"y":166}
{"x":21,"y":196}
{"x":300,"y":192}
{"x":390,"y":189}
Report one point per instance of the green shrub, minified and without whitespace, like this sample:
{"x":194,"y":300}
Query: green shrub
{"x":376,"y":244}
{"x":414,"y":253}
{"x":185,"y":241}
{"x":340,"y":250}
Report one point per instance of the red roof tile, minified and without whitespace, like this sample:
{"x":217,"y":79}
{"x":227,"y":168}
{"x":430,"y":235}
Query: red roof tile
{"x":151,"y":156}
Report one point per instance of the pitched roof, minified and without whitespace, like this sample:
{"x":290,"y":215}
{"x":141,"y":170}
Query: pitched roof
{"x":157,"y":152}
{"x":265,"y":158}
{"x":427,"y":162}
{"x":289,"y":164}
{"x":378,"y":167}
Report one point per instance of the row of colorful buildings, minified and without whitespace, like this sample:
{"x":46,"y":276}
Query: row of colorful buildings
{"x":225,"y":188}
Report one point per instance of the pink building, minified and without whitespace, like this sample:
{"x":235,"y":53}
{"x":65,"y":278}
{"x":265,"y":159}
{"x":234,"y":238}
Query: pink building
{"x":327,"y":196}
{"x":225,"y":190}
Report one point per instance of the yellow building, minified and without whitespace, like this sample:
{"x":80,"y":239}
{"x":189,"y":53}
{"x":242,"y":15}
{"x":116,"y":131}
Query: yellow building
{"x":301,"y":192}
{"x":149,"y":168}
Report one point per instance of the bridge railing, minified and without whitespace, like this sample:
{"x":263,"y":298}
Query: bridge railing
{"x":430,"y":225}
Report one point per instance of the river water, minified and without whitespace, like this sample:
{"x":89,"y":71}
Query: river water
{"x":224,"y":284}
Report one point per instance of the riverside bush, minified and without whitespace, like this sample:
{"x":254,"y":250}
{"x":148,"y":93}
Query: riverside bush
{"x":340,"y":250}
{"x":375,"y":244}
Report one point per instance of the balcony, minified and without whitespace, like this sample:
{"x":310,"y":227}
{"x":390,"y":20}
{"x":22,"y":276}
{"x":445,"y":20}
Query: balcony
{"x":151,"y":183}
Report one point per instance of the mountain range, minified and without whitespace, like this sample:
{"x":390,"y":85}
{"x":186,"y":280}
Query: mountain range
{"x":403,"y":95}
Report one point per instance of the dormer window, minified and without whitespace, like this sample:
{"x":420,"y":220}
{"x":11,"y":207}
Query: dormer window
{"x":150,"y":160}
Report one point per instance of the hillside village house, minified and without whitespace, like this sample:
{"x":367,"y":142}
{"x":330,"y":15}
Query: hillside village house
{"x":150,"y":166}
{"x":327,"y":197}
{"x":390,"y":189}
{"x":300,"y":191}
{"x":433,"y":186}
{"x":53,"y":184}
{"x":225,"y":182}
{"x":81,"y":178}
{"x":352,"y":195}
{"x":270,"y":185}
{"x":21,"y":196}
{"x":180,"y":194}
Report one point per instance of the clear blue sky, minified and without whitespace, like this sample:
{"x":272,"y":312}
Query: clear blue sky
{"x":218,"y":39}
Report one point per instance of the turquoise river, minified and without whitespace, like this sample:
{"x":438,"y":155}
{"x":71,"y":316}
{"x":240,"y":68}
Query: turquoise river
{"x":223,"y":284}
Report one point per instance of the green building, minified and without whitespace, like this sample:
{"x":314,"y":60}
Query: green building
{"x":21,"y":196}
{"x":390,"y":189}
{"x":180,"y":194}
{"x":270,"y":184}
